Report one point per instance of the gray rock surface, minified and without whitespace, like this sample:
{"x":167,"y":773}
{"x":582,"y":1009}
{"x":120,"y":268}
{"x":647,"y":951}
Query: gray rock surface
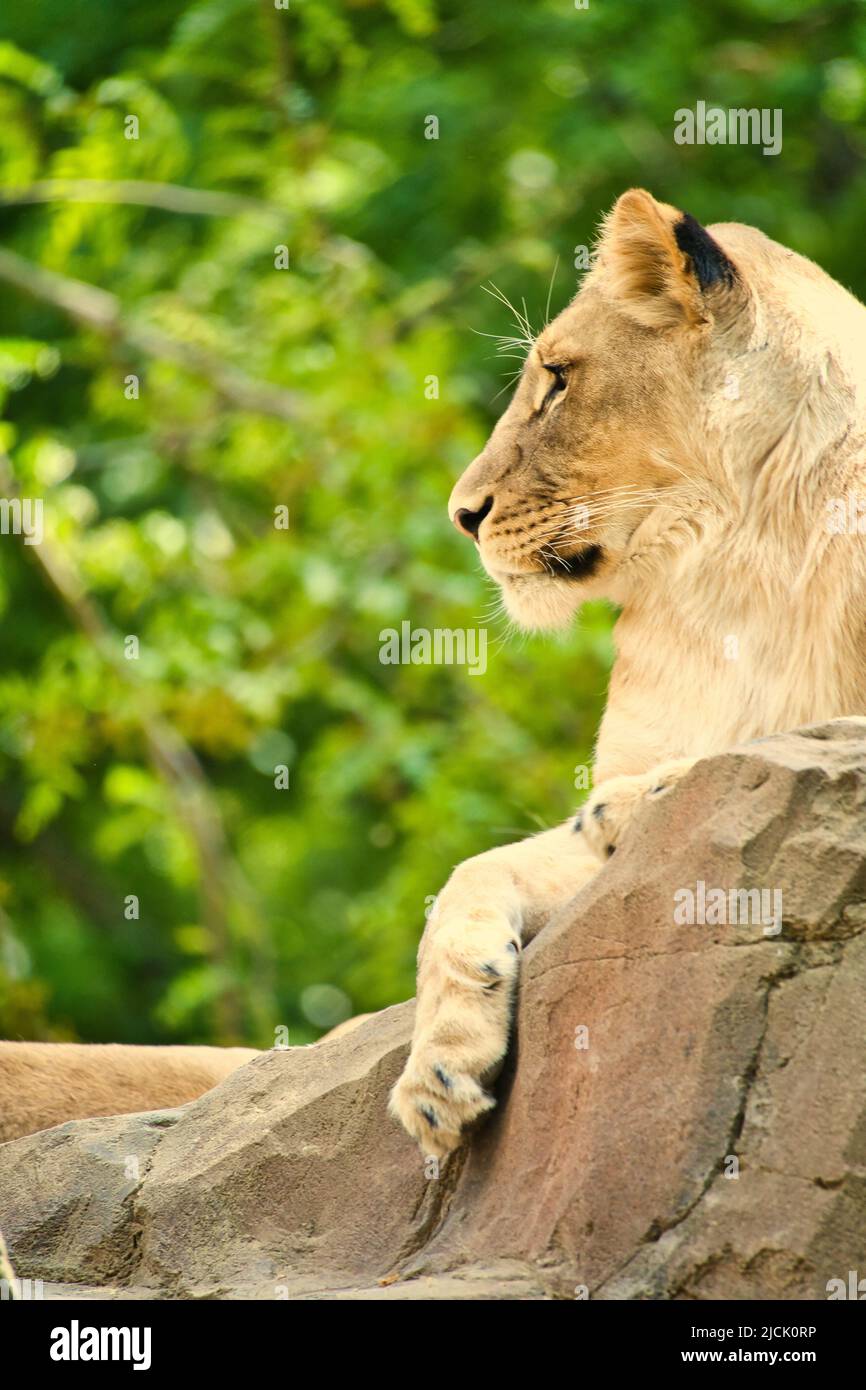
{"x":683,"y":1114}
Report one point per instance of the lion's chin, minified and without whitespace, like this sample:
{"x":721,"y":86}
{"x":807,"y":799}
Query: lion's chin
{"x":539,"y":604}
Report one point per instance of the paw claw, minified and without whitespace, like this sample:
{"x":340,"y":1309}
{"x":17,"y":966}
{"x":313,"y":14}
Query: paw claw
{"x":440,"y":1130}
{"x":609,"y":810}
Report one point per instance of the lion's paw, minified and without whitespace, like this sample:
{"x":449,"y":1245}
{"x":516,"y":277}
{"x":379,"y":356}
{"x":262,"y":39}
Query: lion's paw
{"x":610,"y":808}
{"x":465,"y":1006}
{"x":436,"y":1103}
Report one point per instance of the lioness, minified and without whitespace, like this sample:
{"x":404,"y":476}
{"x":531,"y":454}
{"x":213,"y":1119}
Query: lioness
{"x":45,"y":1084}
{"x":683,"y":441}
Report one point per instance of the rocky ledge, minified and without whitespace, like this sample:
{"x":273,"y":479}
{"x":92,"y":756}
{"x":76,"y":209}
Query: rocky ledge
{"x":683,"y":1114}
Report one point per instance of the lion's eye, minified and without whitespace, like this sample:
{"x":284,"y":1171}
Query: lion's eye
{"x":558,"y":384}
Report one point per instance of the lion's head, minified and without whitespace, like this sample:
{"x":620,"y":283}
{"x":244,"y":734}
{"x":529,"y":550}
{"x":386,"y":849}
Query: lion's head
{"x":658,"y":393}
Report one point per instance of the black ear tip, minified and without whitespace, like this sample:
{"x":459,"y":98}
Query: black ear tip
{"x":711,"y":265}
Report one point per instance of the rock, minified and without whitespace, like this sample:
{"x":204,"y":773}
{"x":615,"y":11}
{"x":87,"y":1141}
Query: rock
{"x":683,"y":1113}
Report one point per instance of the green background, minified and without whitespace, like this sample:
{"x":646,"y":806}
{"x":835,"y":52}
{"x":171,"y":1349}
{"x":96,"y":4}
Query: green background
{"x":262,"y":908}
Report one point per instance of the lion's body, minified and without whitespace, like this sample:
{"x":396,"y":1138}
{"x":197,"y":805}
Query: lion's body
{"x":688,"y":440}
{"x":744,"y":613}
{"x":45,"y":1084}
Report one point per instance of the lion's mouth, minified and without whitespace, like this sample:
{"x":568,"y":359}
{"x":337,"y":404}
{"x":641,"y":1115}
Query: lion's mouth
{"x":551,"y":566}
{"x":579,"y":566}
{"x":548,"y":595}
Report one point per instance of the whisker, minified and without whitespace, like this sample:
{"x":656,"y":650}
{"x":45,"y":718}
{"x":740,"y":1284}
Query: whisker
{"x":527,"y":336}
{"x":594,"y":513}
{"x":664,"y":462}
{"x":620,"y":487}
{"x":550,"y":292}
{"x":506,"y":387}
{"x":606,"y":495}
{"x":508,"y":627}
{"x":589,"y":499}
{"x":505,"y":343}
{"x":568,"y":515}
{"x":563,"y":531}
{"x":525,"y":320}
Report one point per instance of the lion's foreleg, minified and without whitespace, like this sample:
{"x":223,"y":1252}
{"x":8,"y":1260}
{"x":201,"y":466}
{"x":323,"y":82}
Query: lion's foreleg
{"x":468,"y":968}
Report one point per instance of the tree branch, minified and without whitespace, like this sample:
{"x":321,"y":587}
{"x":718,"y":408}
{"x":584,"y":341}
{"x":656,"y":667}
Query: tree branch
{"x":169,"y":197}
{"x":174,"y":760}
{"x":102,"y":311}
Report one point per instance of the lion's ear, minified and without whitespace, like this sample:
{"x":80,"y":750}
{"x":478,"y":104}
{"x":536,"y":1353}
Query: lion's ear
{"x":660,"y":264}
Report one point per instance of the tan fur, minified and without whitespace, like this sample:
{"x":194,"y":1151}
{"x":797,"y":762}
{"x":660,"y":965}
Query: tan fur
{"x":46,"y":1084}
{"x":698,"y":440}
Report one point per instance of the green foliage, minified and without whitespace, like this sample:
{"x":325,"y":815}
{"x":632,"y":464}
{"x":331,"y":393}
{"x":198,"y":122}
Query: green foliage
{"x":259,"y":646}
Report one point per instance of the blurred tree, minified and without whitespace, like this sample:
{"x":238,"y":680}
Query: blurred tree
{"x":232,"y":258}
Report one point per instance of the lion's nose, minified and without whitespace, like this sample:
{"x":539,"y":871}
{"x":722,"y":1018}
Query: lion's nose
{"x":469,"y":522}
